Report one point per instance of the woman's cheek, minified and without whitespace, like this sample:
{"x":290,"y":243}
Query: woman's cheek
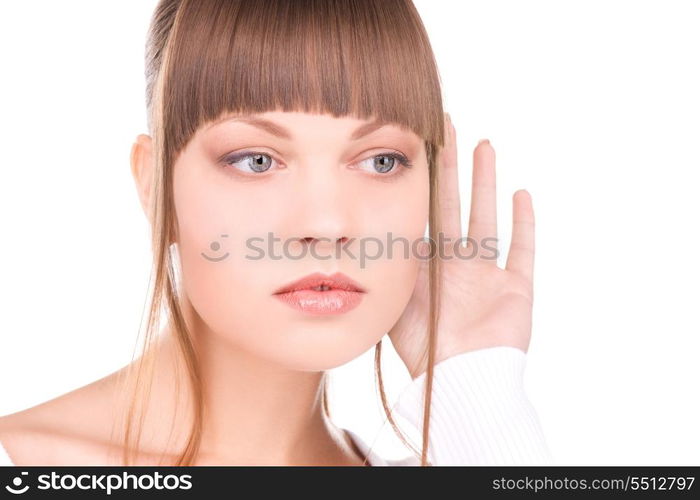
{"x":222,"y":284}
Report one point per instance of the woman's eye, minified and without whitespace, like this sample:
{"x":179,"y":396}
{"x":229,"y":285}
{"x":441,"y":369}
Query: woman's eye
{"x":250,"y":162}
{"x":257,"y":163}
{"x":384,"y":163}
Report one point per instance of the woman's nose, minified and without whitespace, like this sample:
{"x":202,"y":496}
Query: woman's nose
{"x":324,"y":211}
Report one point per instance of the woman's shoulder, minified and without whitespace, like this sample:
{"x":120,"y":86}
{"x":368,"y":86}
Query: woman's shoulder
{"x":71,"y":428}
{"x":27,"y":440}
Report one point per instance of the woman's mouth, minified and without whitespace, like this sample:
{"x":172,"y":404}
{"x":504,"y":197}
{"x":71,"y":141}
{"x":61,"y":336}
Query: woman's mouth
{"x":319,"y":294}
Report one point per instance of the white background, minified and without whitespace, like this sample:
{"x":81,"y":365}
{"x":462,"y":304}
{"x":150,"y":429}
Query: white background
{"x":592,"y":106}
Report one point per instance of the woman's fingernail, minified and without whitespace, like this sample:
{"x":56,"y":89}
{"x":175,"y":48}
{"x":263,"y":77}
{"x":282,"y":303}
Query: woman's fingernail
{"x":484,"y":140}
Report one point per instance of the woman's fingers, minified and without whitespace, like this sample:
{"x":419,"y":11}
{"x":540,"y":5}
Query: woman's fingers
{"x":482,"y":215}
{"x":521,"y":255}
{"x":448,"y":190}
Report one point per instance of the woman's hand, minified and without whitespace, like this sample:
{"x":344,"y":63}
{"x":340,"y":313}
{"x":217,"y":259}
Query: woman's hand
{"x":482,"y":305}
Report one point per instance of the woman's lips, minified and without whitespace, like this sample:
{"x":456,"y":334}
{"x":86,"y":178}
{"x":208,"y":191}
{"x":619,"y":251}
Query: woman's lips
{"x":332,"y":301}
{"x":320,"y":294}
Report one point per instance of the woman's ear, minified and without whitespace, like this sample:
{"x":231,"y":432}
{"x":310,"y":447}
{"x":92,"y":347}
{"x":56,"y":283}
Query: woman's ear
{"x":142,"y":169}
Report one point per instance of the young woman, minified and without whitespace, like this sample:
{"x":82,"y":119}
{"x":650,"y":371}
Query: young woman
{"x":288,"y":143}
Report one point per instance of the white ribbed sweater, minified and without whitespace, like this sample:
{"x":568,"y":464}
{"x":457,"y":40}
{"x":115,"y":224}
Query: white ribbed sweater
{"x":480,"y":414}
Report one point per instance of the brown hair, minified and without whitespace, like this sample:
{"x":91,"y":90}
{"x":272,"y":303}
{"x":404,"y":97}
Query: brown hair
{"x":207,"y":58}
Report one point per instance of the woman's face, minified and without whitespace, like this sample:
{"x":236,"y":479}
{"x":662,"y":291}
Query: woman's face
{"x":266,"y":199}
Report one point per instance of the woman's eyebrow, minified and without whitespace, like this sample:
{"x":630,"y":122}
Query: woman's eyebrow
{"x":266,"y":125}
{"x":279,"y":131}
{"x":366,"y":129}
